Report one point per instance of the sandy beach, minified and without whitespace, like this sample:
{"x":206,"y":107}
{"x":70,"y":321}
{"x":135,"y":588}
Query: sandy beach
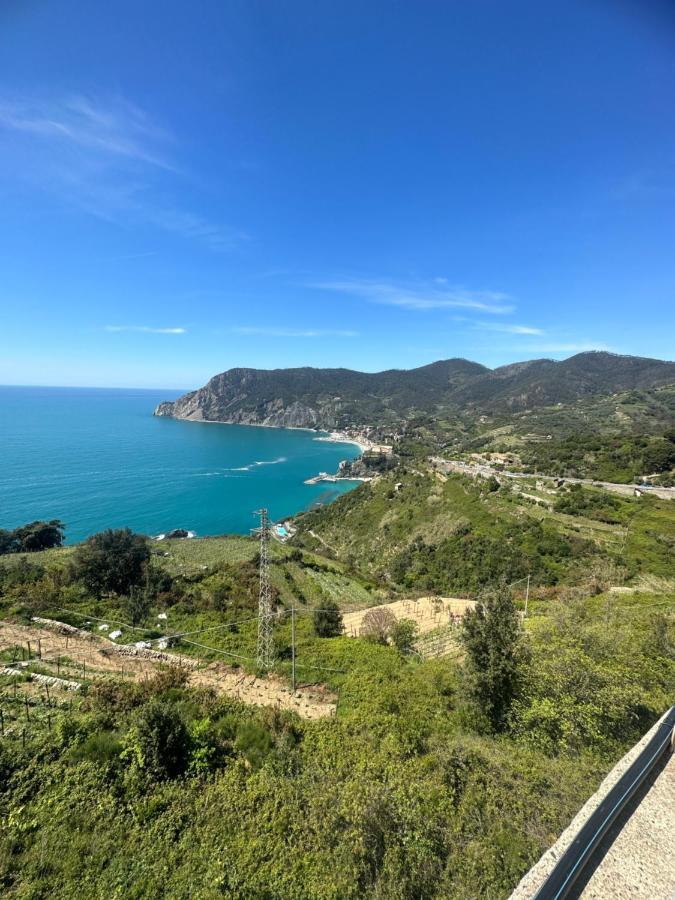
{"x":340,"y":437}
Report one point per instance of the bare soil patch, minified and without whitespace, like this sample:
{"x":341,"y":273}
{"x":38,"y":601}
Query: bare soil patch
{"x":96,"y":657}
{"x":428,"y":612}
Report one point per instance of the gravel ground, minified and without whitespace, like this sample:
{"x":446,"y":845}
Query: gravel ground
{"x":639,"y":858}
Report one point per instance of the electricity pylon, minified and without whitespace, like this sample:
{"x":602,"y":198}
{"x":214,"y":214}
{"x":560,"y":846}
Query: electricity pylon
{"x":265,"y":656}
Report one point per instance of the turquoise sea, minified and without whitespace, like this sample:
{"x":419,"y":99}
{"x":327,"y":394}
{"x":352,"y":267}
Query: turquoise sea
{"x":97,"y":458}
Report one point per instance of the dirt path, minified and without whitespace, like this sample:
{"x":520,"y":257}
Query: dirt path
{"x":95,"y":657}
{"x":428,"y":612}
{"x":320,"y":540}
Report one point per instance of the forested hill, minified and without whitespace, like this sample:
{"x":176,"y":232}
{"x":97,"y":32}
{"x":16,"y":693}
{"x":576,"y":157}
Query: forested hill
{"x":339,"y":398}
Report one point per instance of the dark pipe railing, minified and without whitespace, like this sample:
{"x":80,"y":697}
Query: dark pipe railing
{"x":578,"y":855}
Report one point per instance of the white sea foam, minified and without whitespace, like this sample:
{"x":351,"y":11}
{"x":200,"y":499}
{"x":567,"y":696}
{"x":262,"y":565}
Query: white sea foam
{"x":260,"y":462}
{"x":270,"y":462}
{"x":227,"y":473}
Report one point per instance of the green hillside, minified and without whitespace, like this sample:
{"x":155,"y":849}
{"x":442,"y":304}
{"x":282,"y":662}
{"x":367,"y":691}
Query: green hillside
{"x":341,"y":398}
{"x":417,"y":530}
{"x":409,"y":789}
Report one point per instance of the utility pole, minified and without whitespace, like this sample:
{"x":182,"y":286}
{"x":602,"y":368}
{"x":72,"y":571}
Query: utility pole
{"x":527,"y":595}
{"x":293,"y":644}
{"x":265,"y":655}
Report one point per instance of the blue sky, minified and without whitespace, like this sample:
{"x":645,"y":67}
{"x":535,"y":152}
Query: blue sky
{"x":187,"y":187}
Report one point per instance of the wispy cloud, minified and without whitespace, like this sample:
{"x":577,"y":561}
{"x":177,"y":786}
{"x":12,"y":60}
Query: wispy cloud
{"x":122,"y":257}
{"x":106,"y":157}
{"x":509,"y":329}
{"x":421,"y":295}
{"x":645,"y":184}
{"x":116,"y":129}
{"x":293,"y":332}
{"x":145,"y":329}
{"x":189,"y":225}
{"x":572,"y":347}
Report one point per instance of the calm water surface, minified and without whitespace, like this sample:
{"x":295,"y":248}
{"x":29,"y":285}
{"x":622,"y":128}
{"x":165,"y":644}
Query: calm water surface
{"x":98,"y":459}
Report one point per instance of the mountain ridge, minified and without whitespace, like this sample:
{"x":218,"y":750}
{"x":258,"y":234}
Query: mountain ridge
{"x":337,"y":398}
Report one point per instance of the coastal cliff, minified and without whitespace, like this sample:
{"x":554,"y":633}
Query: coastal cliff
{"x":235,"y":398}
{"x":325,"y":399}
{"x":272,"y":414}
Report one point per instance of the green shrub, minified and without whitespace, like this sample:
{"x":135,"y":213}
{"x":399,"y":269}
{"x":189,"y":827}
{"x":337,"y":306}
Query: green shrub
{"x":254,"y":743}
{"x":101,"y":747}
{"x":404,"y":633}
{"x":159,"y":742}
{"x":327,"y":619}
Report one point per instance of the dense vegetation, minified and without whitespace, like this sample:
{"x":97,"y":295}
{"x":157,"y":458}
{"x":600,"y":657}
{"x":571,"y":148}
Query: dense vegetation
{"x":406,"y":794}
{"x":450,"y":535}
{"x":469,"y":560}
{"x":428,"y":782}
{"x":575,"y":501}
{"x":620,"y":458}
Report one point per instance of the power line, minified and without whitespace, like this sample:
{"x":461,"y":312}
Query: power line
{"x":252,"y":659}
{"x":322,"y":668}
{"x":218,"y":650}
{"x":265,"y":655}
{"x":165,"y":637}
{"x":97,"y":619}
{"x":179,"y":635}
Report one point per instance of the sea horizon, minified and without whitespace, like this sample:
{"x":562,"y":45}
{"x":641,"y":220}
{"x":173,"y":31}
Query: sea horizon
{"x":94,"y":387}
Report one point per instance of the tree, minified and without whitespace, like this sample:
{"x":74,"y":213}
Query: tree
{"x":403,"y":634}
{"x":659,"y":456}
{"x":112,"y":561}
{"x":492,"y":638}
{"x":39,"y":536}
{"x":328,"y":619}
{"x":8,"y":541}
{"x":138,"y":606}
{"x":377,"y":624}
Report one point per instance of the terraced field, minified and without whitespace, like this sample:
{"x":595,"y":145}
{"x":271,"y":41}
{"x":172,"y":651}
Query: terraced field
{"x":91,"y":658}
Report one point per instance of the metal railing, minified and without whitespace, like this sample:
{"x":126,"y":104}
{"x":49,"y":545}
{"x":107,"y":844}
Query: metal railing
{"x":578,"y":855}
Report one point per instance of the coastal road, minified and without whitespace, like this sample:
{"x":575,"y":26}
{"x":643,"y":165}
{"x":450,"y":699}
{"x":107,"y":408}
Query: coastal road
{"x":450,"y":465}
